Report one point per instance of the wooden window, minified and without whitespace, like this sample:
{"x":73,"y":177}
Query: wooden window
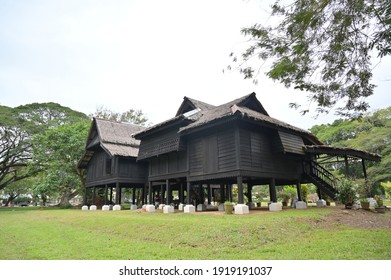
{"x":108,"y":166}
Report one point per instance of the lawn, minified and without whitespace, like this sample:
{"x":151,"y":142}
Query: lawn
{"x":62,"y":234}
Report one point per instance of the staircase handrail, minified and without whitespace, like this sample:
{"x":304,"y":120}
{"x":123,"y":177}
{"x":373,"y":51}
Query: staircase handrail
{"x":322,"y":173}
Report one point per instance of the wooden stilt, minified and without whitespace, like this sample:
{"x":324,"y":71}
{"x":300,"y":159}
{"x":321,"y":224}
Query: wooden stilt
{"x":209,"y":194}
{"x":134,"y":195}
{"x":222,"y":193}
{"x":150,"y":198}
{"x":364,"y":169}
{"x":106,"y":194}
{"x":85,"y":196}
{"x":162,"y":194}
{"x":169,"y":192}
{"x":93,"y":195}
{"x":117,"y":194}
{"x":272,"y":190}
{"x":298,"y":186}
{"x":240,"y":190}
{"x":188,"y":193}
{"x":181,"y":193}
{"x":250,"y":193}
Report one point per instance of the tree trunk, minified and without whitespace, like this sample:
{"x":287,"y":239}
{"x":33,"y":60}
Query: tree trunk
{"x":10,"y":199}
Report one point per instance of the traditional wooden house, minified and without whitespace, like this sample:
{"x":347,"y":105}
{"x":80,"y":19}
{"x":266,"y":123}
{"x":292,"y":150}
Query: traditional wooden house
{"x":206,"y":149}
{"x":202,"y":151}
{"x":110,"y":161}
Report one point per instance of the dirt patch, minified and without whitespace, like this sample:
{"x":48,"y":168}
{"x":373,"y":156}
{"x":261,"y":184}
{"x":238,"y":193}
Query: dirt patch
{"x":358,"y":218}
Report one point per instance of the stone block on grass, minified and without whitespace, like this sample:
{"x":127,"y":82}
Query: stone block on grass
{"x":150,"y":208}
{"x":321,"y":203}
{"x":201,"y":207}
{"x":189,"y":208}
{"x":241,"y":209}
{"x":168,"y":209}
{"x":180,"y":206}
{"x":301,"y":205}
{"x":133,"y":207}
{"x":275,"y":206}
{"x":93,"y":208}
{"x":84,"y":208}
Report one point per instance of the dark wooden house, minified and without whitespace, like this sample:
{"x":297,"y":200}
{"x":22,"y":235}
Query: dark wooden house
{"x":110,"y":161}
{"x":205,"y":149}
{"x":202,"y":151}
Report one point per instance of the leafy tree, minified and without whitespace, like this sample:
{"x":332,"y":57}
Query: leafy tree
{"x":323,"y":47}
{"x":17,"y":127}
{"x":130,"y":116}
{"x":38,"y":117}
{"x":15,"y":189}
{"x":15,"y":153}
{"x":371,"y":133}
{"x":58,"y":151}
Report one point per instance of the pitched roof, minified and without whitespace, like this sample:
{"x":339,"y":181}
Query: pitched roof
{"x":248,"y":107}
{"x":117,"y":132}
{"x":189,"y":104}
{"x":114,"y":137}
{"x":189,"y":111}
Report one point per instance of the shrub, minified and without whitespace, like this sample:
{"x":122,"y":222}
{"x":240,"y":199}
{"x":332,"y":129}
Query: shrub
{"x":347,"y":192}
{"x":305,"y":191}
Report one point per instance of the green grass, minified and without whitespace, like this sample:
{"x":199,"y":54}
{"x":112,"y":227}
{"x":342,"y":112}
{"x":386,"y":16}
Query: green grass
{"x":61,"y":234}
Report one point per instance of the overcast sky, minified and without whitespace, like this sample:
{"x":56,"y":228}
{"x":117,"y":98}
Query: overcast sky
{"x":145,"y":54}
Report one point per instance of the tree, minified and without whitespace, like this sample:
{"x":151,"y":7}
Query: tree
{"x":130,"y":116}
{"x":58,"y":152}
{"x":18,"y":126}
{"x":323,"y":47}
{"x":15,"y":153}
{"x":371,"y":133}
{"x":16,"y":189}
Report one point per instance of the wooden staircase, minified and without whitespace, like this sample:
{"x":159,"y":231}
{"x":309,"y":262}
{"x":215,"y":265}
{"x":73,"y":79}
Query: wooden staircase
{"x":321,"y":178}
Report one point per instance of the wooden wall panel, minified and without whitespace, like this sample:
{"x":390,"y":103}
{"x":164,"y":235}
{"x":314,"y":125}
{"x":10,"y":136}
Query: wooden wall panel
{"x":196,"y":155}
{"x":226,"y":150}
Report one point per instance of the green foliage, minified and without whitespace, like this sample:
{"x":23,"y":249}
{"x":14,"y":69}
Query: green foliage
{"x":130,"y":116}
{"x":379,"y":201}
{"x":305,"y":191}
{"x":18,"y":126}
{"x":57,"y":152}
{"x":347,"y":192}
{"x":387,"y":188}
{"x":371,"y":133}
{"x":323,"y":48}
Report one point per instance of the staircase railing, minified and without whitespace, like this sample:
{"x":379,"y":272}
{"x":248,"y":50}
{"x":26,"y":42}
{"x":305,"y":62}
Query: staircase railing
{"x":323,"y":174}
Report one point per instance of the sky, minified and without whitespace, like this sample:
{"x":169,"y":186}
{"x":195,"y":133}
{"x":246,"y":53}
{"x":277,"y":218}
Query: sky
{"x":147,"y":55}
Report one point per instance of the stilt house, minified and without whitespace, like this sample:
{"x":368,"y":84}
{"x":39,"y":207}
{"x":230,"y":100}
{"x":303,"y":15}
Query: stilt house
{"x":110,"y":160}
{"x":202,"y":151}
